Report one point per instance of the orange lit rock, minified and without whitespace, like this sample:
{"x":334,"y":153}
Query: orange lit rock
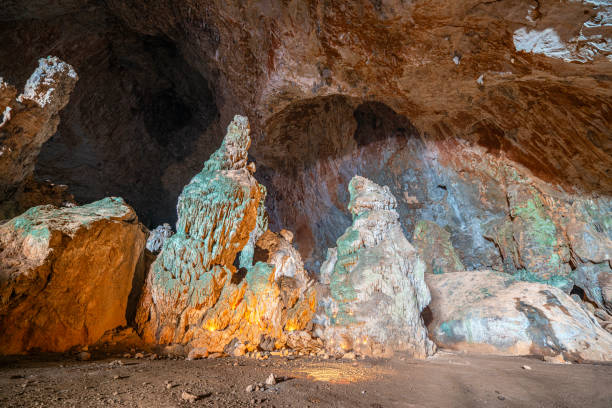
{"x":194,"y":292}
{"x":65,"y":274}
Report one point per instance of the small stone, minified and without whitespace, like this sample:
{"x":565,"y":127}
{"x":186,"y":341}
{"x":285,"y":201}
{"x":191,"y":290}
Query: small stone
{"x":271,"y":380}
{"x":349,"y":356}
{"x":558,"y":359}
{"x":197,"y":353}
{"x":127,"y":355}
{"x":84,"y":356}
{"x":139,"y":355}
{"x":116,"y":377}
{"x":501,"y":397}
{"x":168,"y":386}
{"x":115,"y":393}
{"x":153,"y":357}
{"x":250,"y":388}
{"x":189,"y":397}
{"x":526,"y":367}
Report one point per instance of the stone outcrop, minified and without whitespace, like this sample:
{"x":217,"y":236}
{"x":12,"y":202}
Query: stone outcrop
{"x":30,"y":119}
{"x":492,"y":312}
{"x":195,"y":294}
{"x":65,"y":274}
{"x":158,"y":236}
{"x":376,"y":281}
{"x":435,"y":248}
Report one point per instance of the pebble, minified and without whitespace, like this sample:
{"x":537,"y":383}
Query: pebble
{"x":84,"y":356}
{"x":189,"y":397}
{"x":349,"y":356}
{"x":526,"y":367}
{"x":139,"y":355}
{"x":271,"y":380}
{"x":250,"y":388}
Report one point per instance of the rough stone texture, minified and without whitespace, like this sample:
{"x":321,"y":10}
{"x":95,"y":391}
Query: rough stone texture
{"x":194,"y":294}
{"x":376,"y":281}
{"x":491,"y":312}
{"x":435,"y":248}
{"x":65,"y":274}
{"x":30,"y":119}
{"x":158,"y":236}
{"x":491,"y":119}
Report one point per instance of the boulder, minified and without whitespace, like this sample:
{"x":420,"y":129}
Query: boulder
{"x":435,"y":248}
{"x":65,"y":274}
{"x":491,"y":312}
{"x":376,"y":281}
{"x":203,"y":289}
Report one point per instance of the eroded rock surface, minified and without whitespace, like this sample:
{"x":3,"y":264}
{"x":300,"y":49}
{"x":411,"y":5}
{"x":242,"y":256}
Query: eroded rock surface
{"x":376,"y":281}
{"x":65,"y":274}
{"x":158,"y":236}
{"x":30,"y":119}
{"x":194,"y":293}
{"x":493,"y":312}
{"x":435,"y":248}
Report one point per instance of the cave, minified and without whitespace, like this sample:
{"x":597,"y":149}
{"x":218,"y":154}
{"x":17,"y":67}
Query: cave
{"x":144,"y":119}
{"x":286,"y":203}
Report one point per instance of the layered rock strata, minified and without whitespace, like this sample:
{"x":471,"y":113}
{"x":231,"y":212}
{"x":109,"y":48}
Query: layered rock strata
{"x":376,"y":281}
{"x":195,"y":294}
{"x":66,"y":274}
{"x":492,"y":312}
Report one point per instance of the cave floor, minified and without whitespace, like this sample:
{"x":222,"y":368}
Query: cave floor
{"x":446,"y":380}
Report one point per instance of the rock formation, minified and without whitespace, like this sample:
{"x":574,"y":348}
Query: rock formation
{"x":435,"y":248}
{"x":30,"y":119}
{"x":376,"y":281}
{"x":194,"y":292}
{"x":65,"y":274}
{"x":495,"y":313}
{"x":158,"y":236}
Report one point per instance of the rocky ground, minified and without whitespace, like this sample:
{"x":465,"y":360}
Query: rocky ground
{"x":445,"y":380}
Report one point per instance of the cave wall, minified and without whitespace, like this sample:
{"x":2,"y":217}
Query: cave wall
{"x":451,"y":104}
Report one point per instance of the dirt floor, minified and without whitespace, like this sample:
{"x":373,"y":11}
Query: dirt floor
{"x":446,"y":380}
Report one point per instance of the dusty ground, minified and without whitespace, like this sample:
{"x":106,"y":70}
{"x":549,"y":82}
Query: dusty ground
{"x":448,"y":380}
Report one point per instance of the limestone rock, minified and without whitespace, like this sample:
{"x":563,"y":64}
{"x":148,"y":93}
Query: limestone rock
{"x":491,"y":312}
{"x":531,"y":242}
{"x":596,"y":281}
{"x":435,"y":248}
{"x":158,"y":236}
{"x":377,"y":286}
{"x":194,"y":292}
{"x":65,"y":274}
{"x":30,"y":119}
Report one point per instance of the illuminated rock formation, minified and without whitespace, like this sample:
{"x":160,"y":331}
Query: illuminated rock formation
{"x":493,"y":312}
{"x":194,"y":294}
{"x":30,"y":119}
{"x":376,"y":281}
{"x":65,"y":274}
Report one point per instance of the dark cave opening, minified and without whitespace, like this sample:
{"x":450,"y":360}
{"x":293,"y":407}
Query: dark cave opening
{"x":140,"y":122}
{"x":312,"y":149}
